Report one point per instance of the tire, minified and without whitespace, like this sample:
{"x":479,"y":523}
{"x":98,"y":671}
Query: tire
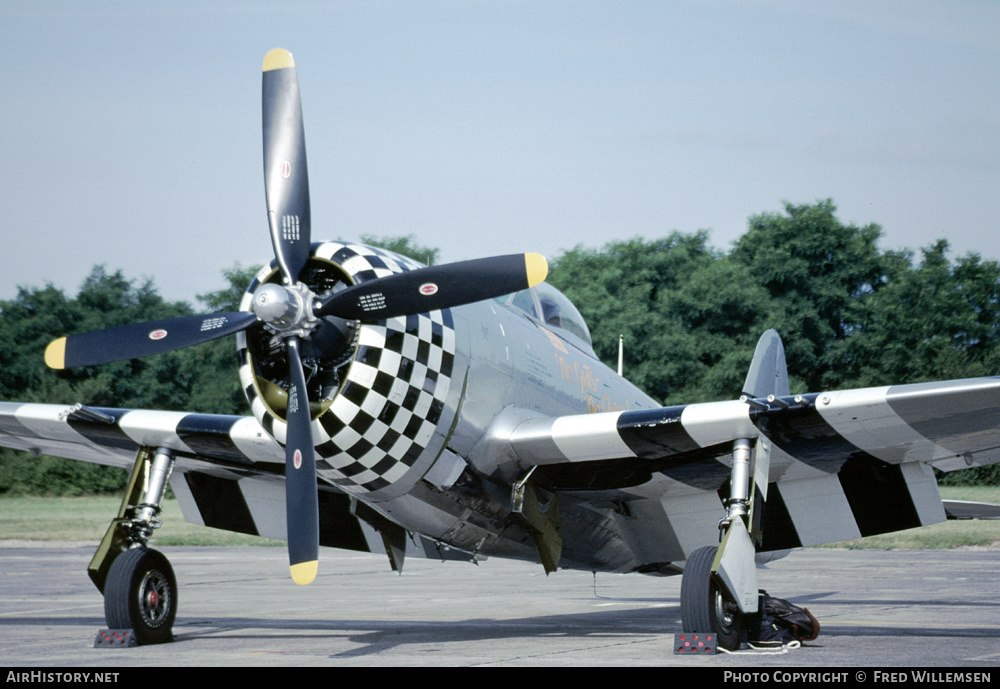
{"x":141,"y":594}
{"x":704,"y":605}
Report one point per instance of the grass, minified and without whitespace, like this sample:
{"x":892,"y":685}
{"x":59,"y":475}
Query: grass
{"x":949,"y":534}
{"x":32,"y":518}
{"x":87,"y":518}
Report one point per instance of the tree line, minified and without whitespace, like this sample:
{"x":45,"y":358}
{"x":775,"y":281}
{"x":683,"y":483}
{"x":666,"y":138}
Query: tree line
{"x":850,"y":315}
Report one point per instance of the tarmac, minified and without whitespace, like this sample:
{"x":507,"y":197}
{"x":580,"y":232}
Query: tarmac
{"x":239,"y":608}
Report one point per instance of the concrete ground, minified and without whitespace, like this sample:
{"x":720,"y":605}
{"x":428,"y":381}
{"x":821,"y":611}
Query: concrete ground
{"x":238,"y":607}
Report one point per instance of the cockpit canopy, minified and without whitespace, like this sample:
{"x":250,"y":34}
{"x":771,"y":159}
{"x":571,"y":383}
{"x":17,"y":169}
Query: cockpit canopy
{"x":547,"y":304}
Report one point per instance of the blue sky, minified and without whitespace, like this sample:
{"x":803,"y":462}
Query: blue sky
{"x":131,"y":130}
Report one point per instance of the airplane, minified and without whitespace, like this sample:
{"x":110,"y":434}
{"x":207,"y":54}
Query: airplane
{"x":459,"y":412}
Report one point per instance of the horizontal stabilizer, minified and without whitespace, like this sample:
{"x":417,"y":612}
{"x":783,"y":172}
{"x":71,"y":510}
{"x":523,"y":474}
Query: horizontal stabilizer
{"x":964,"y":509}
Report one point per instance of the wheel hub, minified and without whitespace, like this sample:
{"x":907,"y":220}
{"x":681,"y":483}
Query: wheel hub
{"x":154,"y":596}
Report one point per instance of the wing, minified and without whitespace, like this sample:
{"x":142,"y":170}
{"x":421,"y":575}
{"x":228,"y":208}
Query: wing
{"x":113,"y":436}
{"x":842,"y":464}
{"x":228,"y":473}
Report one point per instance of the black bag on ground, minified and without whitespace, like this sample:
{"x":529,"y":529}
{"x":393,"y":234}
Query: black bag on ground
{"x":784,"y":622}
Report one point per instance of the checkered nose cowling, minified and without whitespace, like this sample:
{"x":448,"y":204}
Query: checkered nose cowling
{"x":375,"y":433}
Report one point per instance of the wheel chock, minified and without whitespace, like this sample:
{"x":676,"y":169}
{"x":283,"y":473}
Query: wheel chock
{"x":116,"y":638}
{"x":696,"y":643}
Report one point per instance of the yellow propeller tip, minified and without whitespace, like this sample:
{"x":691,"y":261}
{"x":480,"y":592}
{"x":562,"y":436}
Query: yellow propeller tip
{"x":55,"y":354}
{"x":537,"y":268}
{"x":279,"y":58}
{"x":304,"y":572}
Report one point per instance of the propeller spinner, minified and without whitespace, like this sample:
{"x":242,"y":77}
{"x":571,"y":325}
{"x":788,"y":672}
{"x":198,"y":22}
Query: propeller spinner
{"x":293,"y":311}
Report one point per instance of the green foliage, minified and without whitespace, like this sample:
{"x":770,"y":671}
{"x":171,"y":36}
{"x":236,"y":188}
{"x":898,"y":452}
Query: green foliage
{"x":976,"y":476}
{"x":407,"y":246}
{"x":24,"y":474}
{"x":933,"y":321}
{"x":229,"y":298}
{"x":819,"y":275}
{"x":213,"y":368}
{"x":29,"y":322}
{"x":687,"y":313}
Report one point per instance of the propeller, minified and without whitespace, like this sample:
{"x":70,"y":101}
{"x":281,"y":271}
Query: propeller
{"x":293,"y":311}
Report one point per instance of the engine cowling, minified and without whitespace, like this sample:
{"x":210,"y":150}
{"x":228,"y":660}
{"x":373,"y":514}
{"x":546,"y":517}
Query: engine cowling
{"x":378,"y":391}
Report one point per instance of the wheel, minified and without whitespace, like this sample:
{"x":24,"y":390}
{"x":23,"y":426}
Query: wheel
{"x":141,"y":594}
{"x":705,"y":607}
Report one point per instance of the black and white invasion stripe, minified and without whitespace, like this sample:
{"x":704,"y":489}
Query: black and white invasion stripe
{"x":224,"y":441}
{"x":950,"y":425}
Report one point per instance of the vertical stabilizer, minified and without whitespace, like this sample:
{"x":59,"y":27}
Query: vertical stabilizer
{"x":768,"y":373}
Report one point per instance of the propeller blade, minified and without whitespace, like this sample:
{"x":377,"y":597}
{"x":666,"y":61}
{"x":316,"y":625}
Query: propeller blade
{"x":286,"y":180}
{"x":286,"y":188}
{"x":301,"y":498}
{"x":143,"y":339}
{"x":436,"y":287}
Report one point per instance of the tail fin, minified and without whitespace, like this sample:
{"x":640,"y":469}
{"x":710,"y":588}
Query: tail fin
{"x":768,"y":373}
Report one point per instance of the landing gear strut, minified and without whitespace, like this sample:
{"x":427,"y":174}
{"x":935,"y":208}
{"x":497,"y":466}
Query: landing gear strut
{"x":719,"y":591}
{"x":719,"y":586}
{"x":139,"y":587}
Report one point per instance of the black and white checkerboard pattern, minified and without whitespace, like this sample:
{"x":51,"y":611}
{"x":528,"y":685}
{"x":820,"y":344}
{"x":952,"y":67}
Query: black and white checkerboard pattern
{"x":387,"y":409}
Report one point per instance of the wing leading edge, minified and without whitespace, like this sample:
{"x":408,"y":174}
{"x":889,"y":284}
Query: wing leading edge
{"x":950,"y":425}
{"x":112,"y":436}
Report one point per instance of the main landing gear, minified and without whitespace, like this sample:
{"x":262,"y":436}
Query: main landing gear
{"x":719,"y":592}
{"x":138,"y":583}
